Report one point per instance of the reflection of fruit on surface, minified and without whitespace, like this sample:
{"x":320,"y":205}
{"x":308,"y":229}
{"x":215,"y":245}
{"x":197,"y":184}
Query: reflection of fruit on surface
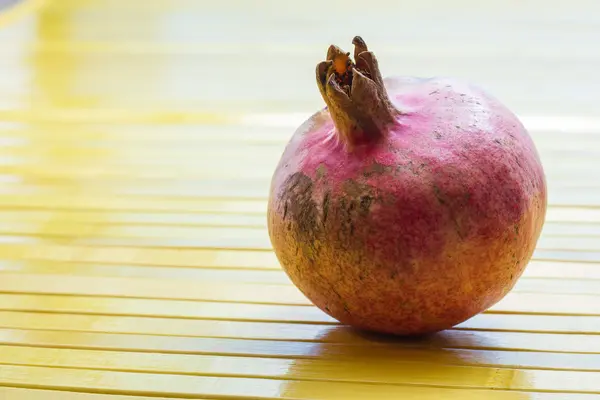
{"x":391,"y":363}
{"x":408,"y":205}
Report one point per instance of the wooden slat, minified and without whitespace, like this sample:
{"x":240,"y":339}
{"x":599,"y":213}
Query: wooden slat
{"x":567,"y":256}
{"x":208,"y":258}
{"x":557,"y":219}
{"x":93,"y":202}
{"x":428,"y":351}
{"x":39,"y":394}
{"x":149,"y":288}
{"x":87,"y":202}
{"x":28,"y":248}
{"x":157,"y":200}
{"x":198,"y":387}
{"x":95,"y":236}
{"x":130,"y":203}
{"x":389,"y":371}
{"x":585,"y":274}
{"x":519,"y":302}
{"x":300,"y":332}
{"x":20,"y":216}
{"x":165,"y":257}
{"x":230,"y":137}
{"x":494,"y":345}
{"x":276,"y":316}
{"x":28,"y":219}
{"x":533,"y":284}
{"x":213,"y":237}
{"x":235,"y":156}
{"x":236,"y":275}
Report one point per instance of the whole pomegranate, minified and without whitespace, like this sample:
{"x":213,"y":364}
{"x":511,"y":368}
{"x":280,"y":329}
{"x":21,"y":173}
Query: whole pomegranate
{"x":407,"y":205}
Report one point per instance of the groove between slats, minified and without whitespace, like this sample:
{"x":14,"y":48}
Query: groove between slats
{"x":550,"y":272}
{"x":381,"y":371}
{"x":131,"y":204}
{"x":358,"y":354}
{"x":225,"y":238}
{"x":110,"y":382}
{"x":252,"y":293}
{"x":198,"y":318}
{"x":202,"y":310}
{"x":41,"y":394}
{"x":530,"y":346}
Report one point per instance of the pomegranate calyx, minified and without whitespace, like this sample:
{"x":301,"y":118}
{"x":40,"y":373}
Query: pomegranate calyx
{"x":355,"y":94}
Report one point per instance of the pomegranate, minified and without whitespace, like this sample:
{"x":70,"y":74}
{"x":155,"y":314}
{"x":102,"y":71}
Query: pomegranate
{"x":407,"y":205}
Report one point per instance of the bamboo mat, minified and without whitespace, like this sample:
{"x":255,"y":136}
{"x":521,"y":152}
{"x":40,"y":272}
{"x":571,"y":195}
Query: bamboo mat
{"x":137,"y":140}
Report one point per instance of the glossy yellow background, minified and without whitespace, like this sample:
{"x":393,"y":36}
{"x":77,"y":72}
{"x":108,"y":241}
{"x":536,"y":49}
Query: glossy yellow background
{"x":137,"y":140}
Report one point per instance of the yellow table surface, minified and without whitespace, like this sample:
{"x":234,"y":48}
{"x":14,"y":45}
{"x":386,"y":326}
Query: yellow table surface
{"x":137,"y":140}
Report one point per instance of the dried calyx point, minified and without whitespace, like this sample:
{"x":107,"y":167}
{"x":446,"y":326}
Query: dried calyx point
{"x":355,"y":94}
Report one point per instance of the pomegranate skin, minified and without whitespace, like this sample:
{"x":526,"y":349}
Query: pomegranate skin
{"x":420,"y":230}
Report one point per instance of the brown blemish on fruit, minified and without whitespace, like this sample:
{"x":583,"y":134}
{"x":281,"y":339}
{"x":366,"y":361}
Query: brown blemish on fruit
{"x":325,"y":206}
{"x":377,"y":169}
{"x":301,"y":211}
{"x":321,"y":171}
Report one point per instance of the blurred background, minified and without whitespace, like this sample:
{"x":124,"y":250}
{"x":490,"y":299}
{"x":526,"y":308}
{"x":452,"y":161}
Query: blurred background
{"x":184,"y":67}
{"x":190,"y":55}
{"x":137,"y":143}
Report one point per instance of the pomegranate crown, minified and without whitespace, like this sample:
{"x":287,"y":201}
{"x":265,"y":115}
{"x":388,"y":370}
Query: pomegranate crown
{"x":355,"y":93}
